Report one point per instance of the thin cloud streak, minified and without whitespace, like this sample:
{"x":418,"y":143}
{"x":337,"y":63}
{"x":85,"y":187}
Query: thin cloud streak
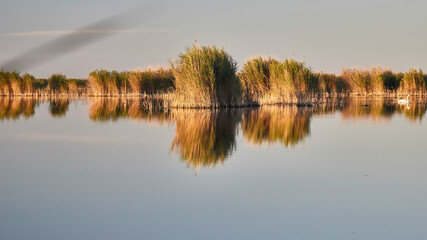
{"x":71,"y":41}
{"x":84,"y":32}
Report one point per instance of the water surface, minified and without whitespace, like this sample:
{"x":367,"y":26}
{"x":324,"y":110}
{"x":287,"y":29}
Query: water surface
{"x":128,"y":169}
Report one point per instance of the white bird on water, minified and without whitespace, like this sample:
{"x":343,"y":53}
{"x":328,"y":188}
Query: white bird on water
{"x":403,"y":101}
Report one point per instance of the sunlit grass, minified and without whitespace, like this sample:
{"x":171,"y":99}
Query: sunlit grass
{"x":413,"y":82}
{"x":271,"y":81}
{"x":151,"y":81}
{"x":205,"y":76}
{"x":113,"y":83}
{"x":208,"y":77}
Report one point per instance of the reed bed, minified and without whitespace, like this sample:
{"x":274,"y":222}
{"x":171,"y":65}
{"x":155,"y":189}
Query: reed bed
{"x":205,"y":76}
{"x":380,"y":109}
{"x":377,"y":81}
{"x":13,"y":83}
{"x":16,"y":84}
{"x":413,"y":82}
{"x":113,"y":83}
{"x":269,"y":81}
{"x":103,"y":82}
{"x":151,"y":81}
{"x":365,"y":81}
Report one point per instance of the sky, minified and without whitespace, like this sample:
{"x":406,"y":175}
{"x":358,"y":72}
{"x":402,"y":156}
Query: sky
{"x":329,"y":35}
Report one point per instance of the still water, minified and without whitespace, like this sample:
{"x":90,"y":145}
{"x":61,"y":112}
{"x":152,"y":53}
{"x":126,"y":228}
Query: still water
{"x":127,"y":169}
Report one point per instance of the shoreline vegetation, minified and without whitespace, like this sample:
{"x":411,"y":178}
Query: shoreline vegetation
{"x":208,"y":77}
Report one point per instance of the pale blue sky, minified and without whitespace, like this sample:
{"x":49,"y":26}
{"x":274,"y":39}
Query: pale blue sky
{"x":329,"y":34}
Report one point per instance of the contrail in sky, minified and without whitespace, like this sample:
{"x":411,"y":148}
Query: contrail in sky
{"x":86,"y":31}
{"x":73,"y":40}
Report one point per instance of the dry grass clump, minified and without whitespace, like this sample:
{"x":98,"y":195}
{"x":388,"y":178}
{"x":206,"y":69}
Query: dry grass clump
{"x":27,"y":83}
{"x":331,"y":85}
{"x":12,"y":83}
{"x":413,"y":82}
{"x":271,"y":81}
{"x":255,"y":77}
{"x":151,"y":81}
{"x":359,"y":81}
{"x":205,"y":77}
{"x":103,"y":82}
{"x":113,"y":83}
{"x":377,"y":81}
{"x":76,"y":86}
{"x":327,"y":83}
{"x":58,"y":83}
{"x":374,"y":81}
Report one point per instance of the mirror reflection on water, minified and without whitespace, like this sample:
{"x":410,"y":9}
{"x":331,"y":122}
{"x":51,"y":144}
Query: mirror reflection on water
{"x":350,"y":168}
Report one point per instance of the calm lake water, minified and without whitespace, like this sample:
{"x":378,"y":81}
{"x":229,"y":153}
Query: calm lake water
{"x":127,"y":169}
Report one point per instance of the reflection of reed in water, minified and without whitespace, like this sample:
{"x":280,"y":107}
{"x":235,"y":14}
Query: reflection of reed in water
{"x":374,"y":110}
{"x":413,"y":111}
{"x":381,"y":108}
{"x":205,"y":137}
{"x":285,"y":124}
{"x":13,"y":108}
{"x":329,"y":106}
{"x":112,"y":109}
{"x":58,"y":107}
